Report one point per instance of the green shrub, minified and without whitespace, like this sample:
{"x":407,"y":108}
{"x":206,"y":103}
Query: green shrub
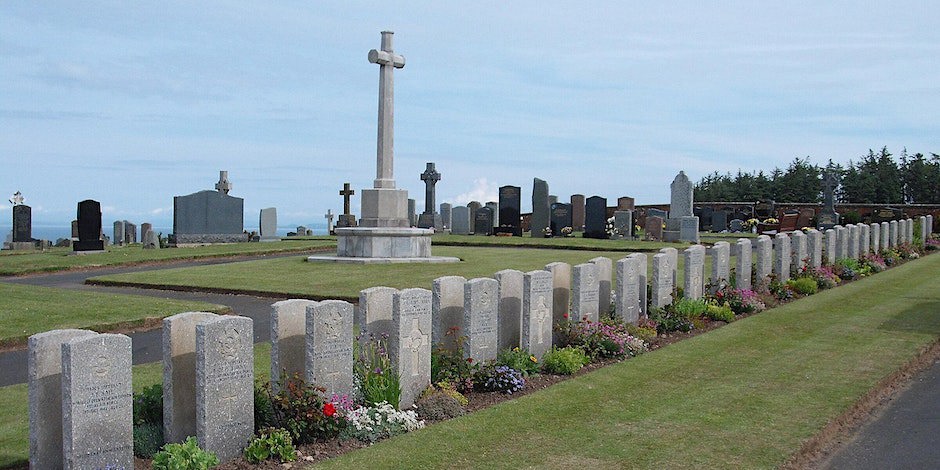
{"x":803,"y":285}
{"x":148,"y":405}
{"x":645,"y":332}
{"x":271,"y":443}
{"x":451,"y":366}
{"x":185,"y":456}
{"x":720,"y":313}
{"x":148,"y":439}
{"x":667,"y":320}
{"x":851,"y":217}
{"x":378,"y":380}
{"x":264,"y":409}
{"x":564,"y":361}
{"x":437,"y":404}
{"x":518,"y":359}
{"x":301,"y":408}
{"x":690,"y":308}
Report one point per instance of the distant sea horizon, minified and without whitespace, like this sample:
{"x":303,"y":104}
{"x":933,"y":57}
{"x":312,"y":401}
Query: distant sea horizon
{"x":55,"y":232}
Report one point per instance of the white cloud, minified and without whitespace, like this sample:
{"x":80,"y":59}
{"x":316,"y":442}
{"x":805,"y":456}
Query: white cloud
{"x":483,"y":191}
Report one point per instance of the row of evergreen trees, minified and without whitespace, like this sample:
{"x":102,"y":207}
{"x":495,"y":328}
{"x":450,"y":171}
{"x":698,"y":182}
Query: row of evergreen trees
{"x":875,"y":178}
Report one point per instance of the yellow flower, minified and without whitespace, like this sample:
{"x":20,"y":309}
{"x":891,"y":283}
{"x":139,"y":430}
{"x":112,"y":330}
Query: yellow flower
{"x":533,"y":359}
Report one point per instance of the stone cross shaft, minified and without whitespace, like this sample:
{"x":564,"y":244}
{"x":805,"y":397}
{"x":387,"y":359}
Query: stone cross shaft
{"x":346,"y":193}
{"x":388,"y":61}
{"x":430,"y":178}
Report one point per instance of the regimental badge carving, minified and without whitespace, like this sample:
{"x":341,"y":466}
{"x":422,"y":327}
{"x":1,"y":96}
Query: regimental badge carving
{"x":228,"y":345}
{"x":101,"y":365}
{"x":332,"y":325}
{"x":486,"y":298}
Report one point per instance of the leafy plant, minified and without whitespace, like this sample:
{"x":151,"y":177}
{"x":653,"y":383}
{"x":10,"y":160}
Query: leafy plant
{"x":803,"y":285}
{"x":148,"y":439}
{"x":645,"y":330}
{"x":495,"y":378}
{"x":564,"y":361}
{"x":720,"y":313}
{"x":185,"y":456}
{"x":451,"y":365}
{"x":378,"y":380}
{"x":607,"y":338}
{"x":271,"y":443}
{"x":148,"y":405}
{"x":518,"y":359}
{"x":264,"y":409}
{"x":302,"y":409}
{"x":371,"y":423}
{"x":439,"y":403}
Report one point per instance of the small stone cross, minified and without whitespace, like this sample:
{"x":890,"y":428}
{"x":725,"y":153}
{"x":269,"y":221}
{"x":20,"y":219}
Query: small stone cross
{"x":17,"y":198}
{"x":430,"y":178}
{"x":329,"y":220}
{"x":346,"y":193}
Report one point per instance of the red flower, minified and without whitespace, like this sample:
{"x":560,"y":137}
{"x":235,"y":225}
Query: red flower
{"x":470,"y":360}
{"x":329,"y":410}
{"x":565,"y":316}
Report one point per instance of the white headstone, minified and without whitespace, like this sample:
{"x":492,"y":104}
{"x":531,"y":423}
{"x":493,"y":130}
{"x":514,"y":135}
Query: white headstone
{"x":410,"y":345}
{"x":480,"y":318}
{"x":537,"y":302}
{"x":329,"y":346}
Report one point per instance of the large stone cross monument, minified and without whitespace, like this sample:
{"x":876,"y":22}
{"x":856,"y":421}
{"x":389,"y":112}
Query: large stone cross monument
{"x":430,"y":218}
{"x":384,"y":234}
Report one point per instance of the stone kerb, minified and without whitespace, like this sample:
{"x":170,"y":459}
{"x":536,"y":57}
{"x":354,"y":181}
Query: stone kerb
{"x":480,"y":318}
{"x":410,"y":343}
{"x":374,"y":315}
{"x":288,"y":330}
{"x":329,"y":351}
{"x":764,"y":262}
{"x":97,"y":402}
{"x":604,"y":275}
{"x":782,"y":257}
{"x":44,"y":388}
{"x":509,"y":328}
{"x":694,"y":272}
{"x":179,"y":374}
{"x":225,"y":385}
{"x":742,"y":268}
{"x":447,"y":307}
{"x":585,"y":287}
{"x":537,"y":304}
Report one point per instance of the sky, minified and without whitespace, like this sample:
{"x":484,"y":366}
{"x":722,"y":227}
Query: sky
{"x":132,"y":103}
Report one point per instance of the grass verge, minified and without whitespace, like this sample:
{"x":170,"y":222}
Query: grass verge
{"x":27,"y":310}
{"x":60,"y":259}
{"x":743,"y":396}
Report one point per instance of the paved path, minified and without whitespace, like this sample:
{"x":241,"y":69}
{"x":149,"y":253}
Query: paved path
{"x":147,"y":344}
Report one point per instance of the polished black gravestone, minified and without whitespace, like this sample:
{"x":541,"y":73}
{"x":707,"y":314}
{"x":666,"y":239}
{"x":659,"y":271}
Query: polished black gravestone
{"x":89,"y":227}
{"x":22,"y":224}
{"x":483,"y":221}
{"x":561,"y":218}
{"x":510,"y":201}
{"x":595,"y":217}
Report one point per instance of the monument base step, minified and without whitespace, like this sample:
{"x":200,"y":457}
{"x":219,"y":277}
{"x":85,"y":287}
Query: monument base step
{"x":353,"y":260}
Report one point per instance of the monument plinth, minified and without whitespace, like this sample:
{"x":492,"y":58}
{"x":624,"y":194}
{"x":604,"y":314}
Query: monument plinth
{"x":384,"y":234}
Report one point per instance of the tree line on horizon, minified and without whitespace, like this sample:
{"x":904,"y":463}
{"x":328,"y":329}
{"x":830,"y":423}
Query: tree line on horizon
{"x":876,"y":178}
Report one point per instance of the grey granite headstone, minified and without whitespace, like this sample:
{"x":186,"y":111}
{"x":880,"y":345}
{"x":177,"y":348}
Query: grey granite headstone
{"x":144,"y":229}
{"x":864,"y":239}
{"x":719,"y":221}
{"x":654,"y":228}
{"x":814,"y":248}
{"x":680,"y":200}
{"x":460,"y":221}
{"x":923,"y":230}
{"x":540,"y":209}
{"x":480,"y":321}
{"x":577,"y":212}
{"x":623,"y":224}
{"x":694,"y":272}
{"x":22,"y":224}
{"x":673,"y":255}
{"x":764,"y":253}
{"x":688,"y":229}
{"x":885,"y":233}
{"x":447,"y":311}
{"x":662,"y":281}
{"x":412,"y":214}
{"x":179,"y":374}
{"x":721,"y":263}
{"x":329,"y":346}
{"x":494,"y":207}
{"x":483,"y":221}
{"x":742,"y":266}
{"x":653,"y":212}
{"x":374,"y":312}
{"x":929,"y":224}
{"x":798,"y":251}
{"x":536,"y":335}
{"x":151,"y":241}
{"x":208,"y":216}
{"x":268,"y":223}
{"x":893,"y":234}
{"x":842,"y":242}
{"x":97,"y":403}
{"x":625,"y":203}
{"x":561,"y":290}
{"x":910,"y":230}
{"x":446,"y":210}
{"x":630,"y":283}
{"x":595,"y":217}
{"x":875,"y":233}
{"x":782,"y":257}
{"x":736,"y":225}
{"x":604,"y":274}
{"x":130,"y":232}
{"x":510,"y":206}
{"x":44,"y":388}
{"x":74,"y":230}
{"x":474,"y":206}
{"x":584,"y":292}
{"x":225,"y":378}
{"x":510,"y":308}
{"x":831,"y":243}
{"x":118,"y":238}
{"x":410,"y":345}
{"x":288,"y":329}
{"x":561,"y":218}
{"x":552,"y":199}
{"x":89,"y":227}
{"x":854,"y":235}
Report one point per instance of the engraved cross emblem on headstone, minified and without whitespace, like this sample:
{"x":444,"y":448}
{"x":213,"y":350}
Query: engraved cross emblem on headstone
{"x":414,"y":342}
{"x":541,"y":316}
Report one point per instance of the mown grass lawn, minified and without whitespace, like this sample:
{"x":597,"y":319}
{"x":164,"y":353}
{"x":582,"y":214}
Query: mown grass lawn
{"x":27,"y":310}
{"x":743,"y":396}
{"x":297,"y":277}
{"x":58,"y":259}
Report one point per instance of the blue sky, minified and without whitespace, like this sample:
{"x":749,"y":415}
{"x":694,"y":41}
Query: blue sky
{"x":133,"y":103}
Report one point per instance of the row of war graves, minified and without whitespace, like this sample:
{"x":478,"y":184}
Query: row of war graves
{"x":80,"y":393}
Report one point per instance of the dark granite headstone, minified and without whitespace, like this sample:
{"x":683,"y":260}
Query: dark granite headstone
{"x":208,"y":216}
{"x":577,"y":212}
{"x":510,"y":201}
{"x":595,"y":217}
{"x":75,"y":229}
{"x":483,"y":221}
{"x":764,"y":209}
{"x":540,"y":209}
{"x":705,"y":219}
{"x":473,"y":206}
{"x":735,"y":225}
{"x":89,"y":227}
{"x":653,"y":212}
{"x":561,"y":218}
{"x":22,"y":223}
{"x":805,"y":218}
{"x":625,"y":203}
{"x":654,"y":228}
{"x":719,"y":221}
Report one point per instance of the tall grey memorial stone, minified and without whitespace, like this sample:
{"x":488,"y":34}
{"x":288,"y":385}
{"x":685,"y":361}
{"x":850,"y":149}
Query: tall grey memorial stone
{"x":461,"y":221}
{"x":412,"y":217}
{"x":494,"y":208}
{"x":130,"y":232}
{"x":584,"y":292}
{"x":179,"y":374}
{"x":329,"y":346}
{"x":510,"y":308}
{"x":540,"y":209}
{"x":225,"y":385}
{"x":374,"y":315}
{"x":447,"y":311}
{"x":288,"y":332}
{"x":605,"y":269}
{"x":480,"y":321}
{"x":44,"y":389}
{"x":97,"y":402}
{"x":673,"y":255}
{"x":446,"y":209}
{"x":631,"y":288}
{"x":929,"y":224}
{"x":680,"y":206}
{"x":764,"y":263}
{"x":782,"y":257}
{"x":742,"y":267}
{"x":267,"y":221}
{"x":536,"y":335}
{"x":118,"y":238}
{"x":429,"y":218}
{"x":410,"y":344}
{"x":209,"y":216}
{"x":662,"y":281}
{"x":721,"y":263}
{"x":694,"y":272}
{"x":910,"y":230}
{"x":623,"y":224}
